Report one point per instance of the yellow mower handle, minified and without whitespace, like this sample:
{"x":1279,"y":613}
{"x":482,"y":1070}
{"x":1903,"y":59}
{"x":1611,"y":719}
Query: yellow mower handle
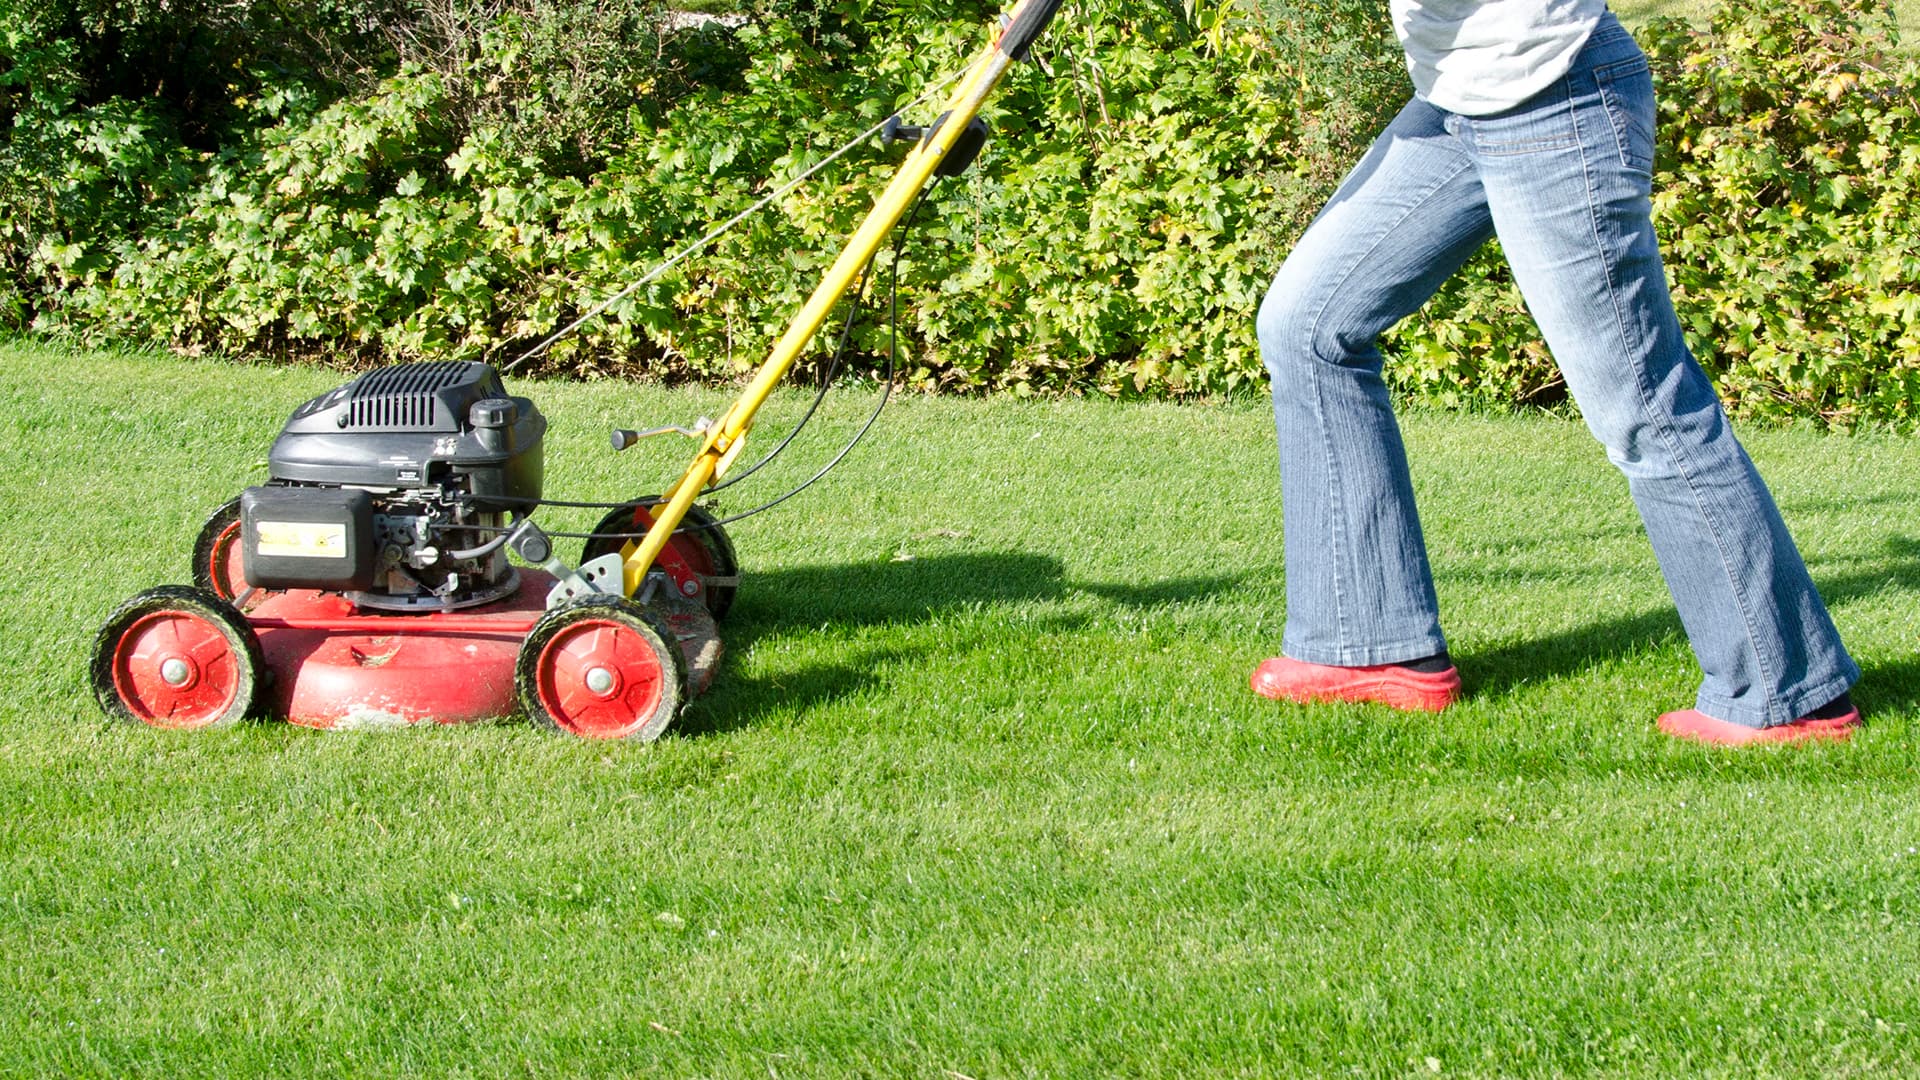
{"x":724,"y":439}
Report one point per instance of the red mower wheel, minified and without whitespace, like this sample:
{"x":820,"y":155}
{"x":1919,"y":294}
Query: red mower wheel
{"x":175,"y":657}
{"x":703,"y":545}
{"x":602,"y":667}
{"x":217,"y":556}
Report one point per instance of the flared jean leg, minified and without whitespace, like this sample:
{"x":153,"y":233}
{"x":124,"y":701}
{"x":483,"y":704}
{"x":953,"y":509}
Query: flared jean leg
{"x":1568,"y":182}
{"x":1359,"y":589}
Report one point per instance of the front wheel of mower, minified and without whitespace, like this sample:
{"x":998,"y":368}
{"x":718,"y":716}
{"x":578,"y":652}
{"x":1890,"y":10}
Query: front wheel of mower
{"x":701,"y":542}
{"x":176,"y":657}
{"x":602,"y":667}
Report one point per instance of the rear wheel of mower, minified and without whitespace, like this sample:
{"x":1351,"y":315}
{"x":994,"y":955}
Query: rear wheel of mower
{"x":175,"y":657}
{"x":217,"y":560}
{"x":701,"y":543}
{"x":602,"y":667}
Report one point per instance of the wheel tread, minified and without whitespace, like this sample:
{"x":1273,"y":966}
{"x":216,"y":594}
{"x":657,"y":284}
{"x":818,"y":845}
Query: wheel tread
{"x":243,"y":643}
{"x":651,"y":628}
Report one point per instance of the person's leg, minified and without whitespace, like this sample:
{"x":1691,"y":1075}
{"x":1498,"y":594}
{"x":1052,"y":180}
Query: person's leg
{"x":1359,"y":591}
{"x":1568,"y":179}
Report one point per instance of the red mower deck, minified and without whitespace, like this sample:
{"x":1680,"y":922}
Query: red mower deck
{"x":336,"y":668}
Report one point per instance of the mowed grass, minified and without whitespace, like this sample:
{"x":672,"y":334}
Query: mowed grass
{"x":980,"y":791}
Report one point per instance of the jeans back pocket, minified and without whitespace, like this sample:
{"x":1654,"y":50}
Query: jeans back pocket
{"x":1626,"y":92}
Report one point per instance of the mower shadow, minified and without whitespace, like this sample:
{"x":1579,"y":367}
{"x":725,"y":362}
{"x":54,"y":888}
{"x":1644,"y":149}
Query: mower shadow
{"x":1894,"y":685}
{"x":847,"y":597}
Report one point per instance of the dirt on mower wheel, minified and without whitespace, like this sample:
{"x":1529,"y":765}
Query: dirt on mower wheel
{"x":177,"y":657}
{"x":702,"y":544}
{"x":602,"y":667}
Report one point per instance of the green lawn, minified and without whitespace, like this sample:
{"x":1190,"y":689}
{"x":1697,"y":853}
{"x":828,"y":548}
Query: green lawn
{"x":980,"y":791}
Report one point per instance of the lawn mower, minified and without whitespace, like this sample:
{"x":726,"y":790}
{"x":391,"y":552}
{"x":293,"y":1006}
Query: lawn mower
{"x":371,"y":581}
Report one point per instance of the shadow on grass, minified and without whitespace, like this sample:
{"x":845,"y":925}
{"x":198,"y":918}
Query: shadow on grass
{"x":840,"y":598}
{"x":1883,"y":686}
{"x":1809,"y":507}
{"x":836,"y":599}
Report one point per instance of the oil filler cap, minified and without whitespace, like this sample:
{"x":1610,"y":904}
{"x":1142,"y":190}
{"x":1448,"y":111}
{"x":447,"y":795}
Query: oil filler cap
{"x":492,"y":420}
{"x":493,"y":412}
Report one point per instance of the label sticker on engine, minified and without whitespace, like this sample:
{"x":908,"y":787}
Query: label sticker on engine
{"x":301,"y":539}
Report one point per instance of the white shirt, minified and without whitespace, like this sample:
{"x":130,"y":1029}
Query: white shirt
{"x":1477,"y":57}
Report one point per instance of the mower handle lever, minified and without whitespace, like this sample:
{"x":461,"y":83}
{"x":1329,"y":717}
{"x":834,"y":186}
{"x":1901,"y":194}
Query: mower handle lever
{"x":966,"y":145}
{"x":625,"y":437}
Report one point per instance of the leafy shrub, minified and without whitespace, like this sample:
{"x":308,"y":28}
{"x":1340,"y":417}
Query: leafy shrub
{"x":1177,"y":150}
{"x":70,"y":170}
{"x":1126,"y":236}
{"x":117,"y":116}
{"x":1788,"y":172}
{"x":1146,"y":177}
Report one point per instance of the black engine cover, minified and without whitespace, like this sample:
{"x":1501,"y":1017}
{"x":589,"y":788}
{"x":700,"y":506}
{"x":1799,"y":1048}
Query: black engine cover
{"x":447,"y":425}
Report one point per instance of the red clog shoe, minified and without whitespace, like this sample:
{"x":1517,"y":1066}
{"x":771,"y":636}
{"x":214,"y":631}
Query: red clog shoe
{"x":1286,"y":679}
{"x":1694,"y":725}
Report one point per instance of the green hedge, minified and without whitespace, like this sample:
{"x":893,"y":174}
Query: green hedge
{"x":1785,"y":197}
{"x":1145,"y":179}
{"x":1116,"y":234}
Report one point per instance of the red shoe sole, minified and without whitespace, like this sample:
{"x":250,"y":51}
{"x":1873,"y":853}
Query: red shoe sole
{"x":1285,"y":679}
{"x":1696,"y":726}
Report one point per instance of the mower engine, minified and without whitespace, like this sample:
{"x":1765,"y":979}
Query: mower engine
{"x":398,"y":489}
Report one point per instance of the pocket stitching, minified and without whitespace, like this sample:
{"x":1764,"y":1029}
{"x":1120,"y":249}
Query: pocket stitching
{"x":1619,"y":118}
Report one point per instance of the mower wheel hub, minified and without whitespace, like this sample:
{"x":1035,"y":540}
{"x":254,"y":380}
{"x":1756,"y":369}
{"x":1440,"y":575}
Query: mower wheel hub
{"x":176,"y":671}
{"x":602,"y":681}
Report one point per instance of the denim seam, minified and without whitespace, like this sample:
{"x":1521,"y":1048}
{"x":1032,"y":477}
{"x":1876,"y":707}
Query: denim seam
{"x":1525,"y":144}
{"x":1661,"y":425}
{"x":1336,"y":519}
{"x":1313,"y":332}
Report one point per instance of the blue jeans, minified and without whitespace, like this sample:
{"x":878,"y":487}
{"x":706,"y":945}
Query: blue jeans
{"x":1564,"y":181}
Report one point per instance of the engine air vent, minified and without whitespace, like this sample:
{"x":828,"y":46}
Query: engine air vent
{"x":404,"y":397}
